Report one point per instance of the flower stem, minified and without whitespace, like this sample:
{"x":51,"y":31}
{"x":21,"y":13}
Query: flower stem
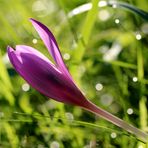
{"x":117,"y":121}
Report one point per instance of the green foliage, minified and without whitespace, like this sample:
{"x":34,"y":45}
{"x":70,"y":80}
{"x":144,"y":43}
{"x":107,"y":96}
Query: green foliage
{"x":108,"y":60}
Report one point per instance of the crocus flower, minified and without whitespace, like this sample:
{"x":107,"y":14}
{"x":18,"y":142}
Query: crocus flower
{"x":54,"y":80}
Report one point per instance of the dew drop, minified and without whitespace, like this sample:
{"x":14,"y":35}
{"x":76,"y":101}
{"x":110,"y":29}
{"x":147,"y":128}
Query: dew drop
{"x":130,"y":111}
{"x":25,"y":87}
{"x":34,"y":41}
{"x":54,"y":144}
{"x":102,"y":3}
{"x":106,"y":99}
{"x":103,"y":15}
{"x":113,"y":135}
{"x":117,"y":21}
{"x":135,"y":79}
{"x":99,"y":86}
{"x":69,"y":116}
{"x":66,"y":56}
{"x":138,"y":36}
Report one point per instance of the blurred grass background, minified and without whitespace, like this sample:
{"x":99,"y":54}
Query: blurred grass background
{"x":106,"y":52}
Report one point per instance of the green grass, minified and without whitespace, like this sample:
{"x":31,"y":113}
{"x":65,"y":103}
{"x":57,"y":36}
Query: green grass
{"x":28,"y":119}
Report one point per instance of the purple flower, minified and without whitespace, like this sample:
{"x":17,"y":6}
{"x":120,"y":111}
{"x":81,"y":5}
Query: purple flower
{"x":54,"y":80}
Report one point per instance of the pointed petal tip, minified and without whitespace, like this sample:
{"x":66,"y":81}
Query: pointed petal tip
{"x":31,"y":19}
{"x":51,"y":44}
{"x":10,"y":53}
{"x":9,"y":49}
{"x":36,"y":24}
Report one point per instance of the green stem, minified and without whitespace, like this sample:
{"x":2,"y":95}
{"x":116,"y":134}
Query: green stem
{"x":117,"y":121}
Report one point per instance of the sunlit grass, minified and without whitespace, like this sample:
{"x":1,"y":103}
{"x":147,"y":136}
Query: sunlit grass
{"x":28,"y":119}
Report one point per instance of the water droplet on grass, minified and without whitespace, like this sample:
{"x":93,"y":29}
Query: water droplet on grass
{"x":54,"y":144}
{"x":135,"y":79}
{"x":99,"y":86}
{"x":25,"y":87}
{"x":34,"y":41}
{"x":117,"y":21}
{"x":130,"y":111}
{"x":66,"y":56}
{"x":138,"y":36}
{"x":113,"y":135}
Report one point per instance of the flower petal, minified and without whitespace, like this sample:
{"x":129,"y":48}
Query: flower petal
{"x":41,"y":74}
{"x":51,"y":45}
